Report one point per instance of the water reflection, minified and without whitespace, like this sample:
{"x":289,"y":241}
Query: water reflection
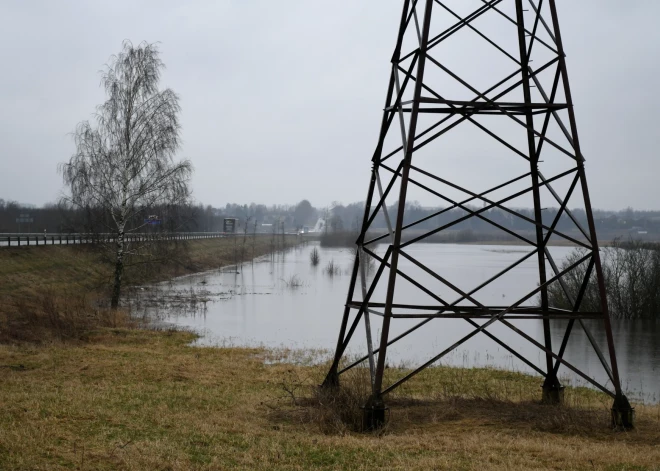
{"x":637,"y":352}
{"x":259,"y":304}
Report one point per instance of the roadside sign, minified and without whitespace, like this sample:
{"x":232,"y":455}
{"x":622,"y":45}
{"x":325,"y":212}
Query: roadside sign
{"x":229,"y":225}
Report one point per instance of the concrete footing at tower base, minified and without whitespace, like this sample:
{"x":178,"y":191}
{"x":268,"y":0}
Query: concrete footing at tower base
{"x":552,"y":394}
{"x":623,"y":414}
{"x":374,"y":415}
{"x":331,"y":380}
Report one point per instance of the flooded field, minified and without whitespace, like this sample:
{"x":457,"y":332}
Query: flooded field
{"x":282,"y":301}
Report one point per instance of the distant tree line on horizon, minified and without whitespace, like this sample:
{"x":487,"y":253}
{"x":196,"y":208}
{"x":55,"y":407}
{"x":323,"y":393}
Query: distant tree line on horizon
{"x":57,"y":217}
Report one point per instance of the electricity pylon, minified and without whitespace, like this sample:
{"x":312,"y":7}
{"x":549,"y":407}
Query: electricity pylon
{"x":496,"y":68}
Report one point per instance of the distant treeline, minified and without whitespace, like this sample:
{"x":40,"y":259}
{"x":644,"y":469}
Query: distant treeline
{"x":464,"y":236}
{"x":609,"y":224}
{"x":336,"y":218}
{"x":15,"y":217}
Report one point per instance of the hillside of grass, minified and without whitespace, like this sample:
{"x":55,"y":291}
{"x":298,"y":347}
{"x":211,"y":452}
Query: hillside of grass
{"x":142,"y":400}
{"x":59,"y":288}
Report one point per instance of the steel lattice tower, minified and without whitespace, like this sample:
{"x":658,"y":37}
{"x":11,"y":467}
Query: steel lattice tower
{"x":527,"y":115}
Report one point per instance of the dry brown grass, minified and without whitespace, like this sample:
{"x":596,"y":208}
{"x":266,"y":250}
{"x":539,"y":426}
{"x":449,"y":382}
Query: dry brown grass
{"x":131,"y":399}
{"x":59,"y":292}
{"x":48,"y":316}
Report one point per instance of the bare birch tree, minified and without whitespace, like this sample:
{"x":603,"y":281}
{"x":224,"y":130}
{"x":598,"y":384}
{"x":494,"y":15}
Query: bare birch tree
{"x":124,"y":163}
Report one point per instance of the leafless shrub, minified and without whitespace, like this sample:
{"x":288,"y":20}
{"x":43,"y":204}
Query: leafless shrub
{"x":332,"y":269}
{"x":339,"y":410}
{"x":334,"y":411}
{"x":631,"y":271}
{"x":293,"y":282}
{"x":315,"y":256}
{"x":63,"y":317}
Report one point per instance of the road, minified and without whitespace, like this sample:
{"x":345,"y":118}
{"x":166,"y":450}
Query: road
{"x":40,"y":239}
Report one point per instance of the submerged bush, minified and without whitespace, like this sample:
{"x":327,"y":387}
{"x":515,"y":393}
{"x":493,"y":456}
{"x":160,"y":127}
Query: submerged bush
{"x":293,"y":282}
{"x":631,"y":271}
{"x":314,"y":256}
{"x":332,"y":269}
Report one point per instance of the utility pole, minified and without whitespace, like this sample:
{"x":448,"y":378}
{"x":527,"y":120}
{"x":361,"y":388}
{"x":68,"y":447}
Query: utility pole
{"x":529,"y":121}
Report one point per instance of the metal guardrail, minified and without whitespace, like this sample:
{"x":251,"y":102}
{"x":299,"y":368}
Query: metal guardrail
{"x":27,"y":239}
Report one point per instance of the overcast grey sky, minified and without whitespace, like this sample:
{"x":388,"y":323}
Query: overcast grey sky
{"x":282,"y":99}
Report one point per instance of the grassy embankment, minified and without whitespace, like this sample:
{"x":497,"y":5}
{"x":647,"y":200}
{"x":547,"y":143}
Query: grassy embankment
{"x":136,"y":399}
{"x":60,"y":291}
{"x":132,"y":399}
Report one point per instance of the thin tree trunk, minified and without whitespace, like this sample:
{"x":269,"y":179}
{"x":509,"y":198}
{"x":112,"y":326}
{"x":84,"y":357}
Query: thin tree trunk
{"x":254,"y":238}
{"x":243,"y":251}
{"x":119,"y":270}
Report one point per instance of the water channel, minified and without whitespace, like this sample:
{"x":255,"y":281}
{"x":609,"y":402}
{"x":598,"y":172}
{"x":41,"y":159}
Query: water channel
{"x":282,"y":301}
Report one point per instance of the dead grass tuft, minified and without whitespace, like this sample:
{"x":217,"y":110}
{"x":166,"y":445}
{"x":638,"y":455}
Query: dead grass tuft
{"x":48,"y":316}
{"x":339,"y":410}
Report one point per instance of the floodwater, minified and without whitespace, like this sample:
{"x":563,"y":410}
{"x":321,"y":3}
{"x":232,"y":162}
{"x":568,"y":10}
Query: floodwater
{"x":282,"y":301}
